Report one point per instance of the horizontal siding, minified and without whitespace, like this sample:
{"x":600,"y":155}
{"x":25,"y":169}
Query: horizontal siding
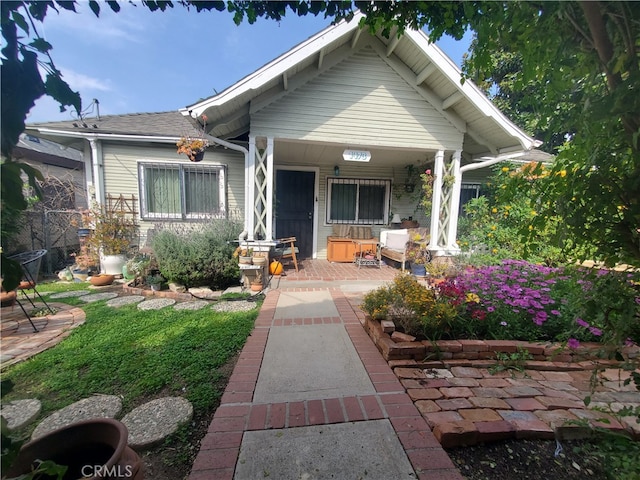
{"x":362,"y":101}
{"x":121,"y":171}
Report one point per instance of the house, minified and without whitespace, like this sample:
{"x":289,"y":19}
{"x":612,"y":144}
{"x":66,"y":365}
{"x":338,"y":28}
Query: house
{"x":46,"y":225}
{"x":323,"y":135}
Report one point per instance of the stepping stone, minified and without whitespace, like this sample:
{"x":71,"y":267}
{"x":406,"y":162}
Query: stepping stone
{"x":195,"y":305}
{"x":204,"y":292}
{"x":151,"y":423}
{"x":234,"y":306}
{"x":156,"y":303}
{"x":128,"y":300}
{"x":96,"y":297}
{"x":20,"y":413}
{"x":98,"y":406}
{"x":70,"y":294}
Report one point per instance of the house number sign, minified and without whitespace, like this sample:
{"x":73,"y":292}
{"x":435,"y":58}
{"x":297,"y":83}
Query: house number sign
{"x":356,"y":155}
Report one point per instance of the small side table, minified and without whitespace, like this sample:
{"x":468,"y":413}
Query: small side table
{"x":359,"y":255}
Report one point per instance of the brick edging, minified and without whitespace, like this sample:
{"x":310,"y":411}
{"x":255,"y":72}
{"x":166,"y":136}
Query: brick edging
{"x":478,"y":350}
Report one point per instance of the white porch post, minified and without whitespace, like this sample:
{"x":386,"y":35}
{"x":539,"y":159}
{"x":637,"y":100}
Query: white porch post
{"x":438,"y":173}
{"x":249,"y":186}
{"x":260,"y":182}
{"x":270,"y":180}
{"x":452,"y":227}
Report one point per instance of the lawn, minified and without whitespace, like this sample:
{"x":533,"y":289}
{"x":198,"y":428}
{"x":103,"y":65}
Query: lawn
{"x":138,"y":355}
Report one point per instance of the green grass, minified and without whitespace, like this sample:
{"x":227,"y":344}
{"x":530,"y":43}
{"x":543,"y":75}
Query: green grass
{"x":135,"y":354}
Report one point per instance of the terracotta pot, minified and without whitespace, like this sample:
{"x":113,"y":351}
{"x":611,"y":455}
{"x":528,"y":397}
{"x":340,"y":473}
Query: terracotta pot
{"x":95,"y":448}
{"x":256,"y":287}
{"x":8,"y":298}
{"x":102,"y":279}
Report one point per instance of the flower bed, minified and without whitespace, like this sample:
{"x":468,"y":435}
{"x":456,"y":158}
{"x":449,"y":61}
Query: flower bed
{"x":515,"y":301}
{"x":397,"y":346}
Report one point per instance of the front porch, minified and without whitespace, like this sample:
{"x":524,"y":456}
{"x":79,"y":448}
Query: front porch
{"x":320,"y":270}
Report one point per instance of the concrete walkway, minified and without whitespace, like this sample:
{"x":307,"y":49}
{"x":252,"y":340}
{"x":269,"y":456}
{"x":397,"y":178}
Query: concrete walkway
{"x":311,"y":397}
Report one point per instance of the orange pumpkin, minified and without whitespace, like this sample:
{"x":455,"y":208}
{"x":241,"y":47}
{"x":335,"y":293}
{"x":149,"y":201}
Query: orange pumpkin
{"x":275,"y":268}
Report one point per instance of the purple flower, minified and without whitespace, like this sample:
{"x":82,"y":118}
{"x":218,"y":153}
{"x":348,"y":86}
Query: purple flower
{"x":491,"y":309}
{"x":596,"y":331}
{"x":555,"y":312}
{"x":582,"y":323}
{"x":573,"y":343}
{"x":504,"y":324}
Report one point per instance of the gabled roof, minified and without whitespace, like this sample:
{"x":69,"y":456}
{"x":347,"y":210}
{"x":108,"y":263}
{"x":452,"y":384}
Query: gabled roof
{"x":421,"y":63}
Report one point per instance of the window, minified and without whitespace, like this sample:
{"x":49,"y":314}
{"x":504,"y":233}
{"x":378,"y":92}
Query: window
{"x":358,"y":201}
{"x":181,"y":191}
{"x":468,"y":191}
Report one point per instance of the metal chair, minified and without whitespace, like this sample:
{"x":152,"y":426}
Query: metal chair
{"x":30,"y":263}
{"x":286,"y":248}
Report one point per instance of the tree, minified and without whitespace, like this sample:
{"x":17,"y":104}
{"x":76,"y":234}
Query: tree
{"x":585,"y":53}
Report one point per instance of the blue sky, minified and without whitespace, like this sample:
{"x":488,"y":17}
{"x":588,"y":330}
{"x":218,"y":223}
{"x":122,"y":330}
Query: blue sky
{"x":142,"y":61}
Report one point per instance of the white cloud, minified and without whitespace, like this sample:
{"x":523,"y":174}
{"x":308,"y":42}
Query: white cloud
{"x":79,"y":81}
{"x":115,"y":29}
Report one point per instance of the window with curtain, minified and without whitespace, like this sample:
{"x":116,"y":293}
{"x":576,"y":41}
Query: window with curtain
{"x":358,"y":201}
{"x":181,"y":191}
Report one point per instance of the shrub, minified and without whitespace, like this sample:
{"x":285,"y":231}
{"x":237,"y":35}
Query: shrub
{"x":405,"y":300}
{"x":500,"y":221}
{"x":200,"y":257}
{"x":376,"y":303}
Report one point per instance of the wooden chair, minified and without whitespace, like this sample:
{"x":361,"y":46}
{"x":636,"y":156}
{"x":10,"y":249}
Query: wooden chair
{"x":286,"y":248}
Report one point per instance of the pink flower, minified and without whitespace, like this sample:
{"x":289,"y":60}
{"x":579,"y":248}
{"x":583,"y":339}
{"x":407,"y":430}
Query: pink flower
{"x":428,"y":171}
{"x":582,"y":323}
{"x":596,"y":331}
{"x":573,"y":343}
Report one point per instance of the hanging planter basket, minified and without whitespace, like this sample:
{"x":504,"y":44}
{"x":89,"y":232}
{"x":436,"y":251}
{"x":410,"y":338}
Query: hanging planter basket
{"x":197,"y":156}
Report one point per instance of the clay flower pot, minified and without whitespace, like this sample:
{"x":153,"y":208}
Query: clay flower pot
{"x":95,"y":448}
{"x":102,"y":279}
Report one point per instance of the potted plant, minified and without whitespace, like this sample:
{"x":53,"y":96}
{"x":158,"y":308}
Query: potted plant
{"x":156,"y":281}
{"x":256,"y":282}
{"x":244,"y":255}
{"x":437,"y":271}
{"x":194,"y":146}
{"x":112,"y":235}
{"x":418,"y":255}
{"x":136,"y":266}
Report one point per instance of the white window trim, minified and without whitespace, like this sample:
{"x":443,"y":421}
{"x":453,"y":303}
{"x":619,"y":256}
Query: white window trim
{"x":358,"y":221}
{"x":222,"y":193}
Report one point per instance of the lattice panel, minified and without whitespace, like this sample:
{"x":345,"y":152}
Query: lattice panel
{"x":444,"y":219}
{"x":260,"y":199}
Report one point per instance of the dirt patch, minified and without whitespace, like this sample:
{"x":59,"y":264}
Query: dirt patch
{"x":525,"y":460}
{"x":173,"y":460}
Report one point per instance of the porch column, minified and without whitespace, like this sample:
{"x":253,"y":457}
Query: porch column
{"x":438,"y":169}
{"x":259,"y":179}
{"x":249,"y":175}
{"x":452,"y":227}
{"x":270,"y":181}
